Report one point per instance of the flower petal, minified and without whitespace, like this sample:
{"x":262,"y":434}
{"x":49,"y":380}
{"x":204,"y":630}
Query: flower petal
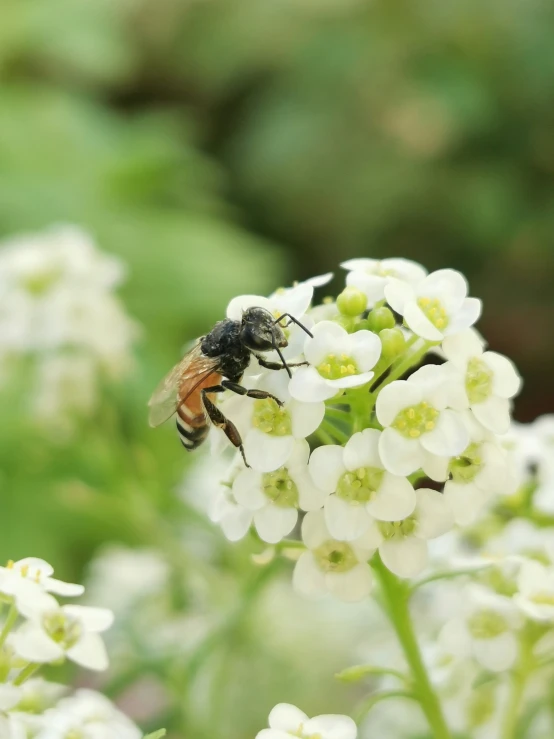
{"x":314,"y":530}
{"x":373,"y":286}
{"x":448,"y":285}
{"x":461,"y":347}
{"x":65,"y":589}
{"x":34,"y":645}
{"x":449,"y":437}
{"x":350,"y":381}
{"x":350,"y":586}
{"x":295,"y":300}
{"x":362,"y":450}
{"x":365,"y":348}
{"x":406,"y":556}
{"x":305,"y":417}
{"x":454,"y":639}
{"x":307,"y":578}
{"x":273,"y":522}
{"x":247,"y":489}
{"x":89,"y":652}
{"x":398,"y":293}
{"x":93,"y":619}
{"x":400,"y":456}
{"x":498,"y":654}
{"x":434,"y":516}
{"x":266,"y":453}
{"x":239,"y":304}
{"x":435,"y":467}
{"x":326,"y":466}
{"x":286,"y":717}
{"x":494,"y":414}
{"x":465,"y":317}
{"x":465,"y":501}
{"x":345,"y":521}
{"x":308,"y":386}
{"x":395,"y":499}
{"x":310,"y":497}
{"x":236,"y":522}
{"x":394,"y":397}
{"x":416,"y":319}
{"x":506,"y":381}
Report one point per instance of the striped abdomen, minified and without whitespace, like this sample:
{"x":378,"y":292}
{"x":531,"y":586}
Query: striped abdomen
{"x":192,"y":421}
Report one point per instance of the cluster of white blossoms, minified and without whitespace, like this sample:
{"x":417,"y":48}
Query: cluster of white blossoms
{"x":287,"y":721}
{"x":59,"y":311}
{"x":390,"y":433}
{"x":35,"y":630}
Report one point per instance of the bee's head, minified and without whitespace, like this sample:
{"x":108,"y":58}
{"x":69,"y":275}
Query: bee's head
{"x":259,"y":332}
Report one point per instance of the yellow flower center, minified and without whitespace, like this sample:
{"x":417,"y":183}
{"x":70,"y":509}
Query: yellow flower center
{"x":466,"y":467}
{"x":335,"y":367}
{"x":397,"y":529}
{"x":63,"y":629}
{"x":359,"y":486}
{"x":335,"y":556}
{"x":434,"y":311}
{"x":271,"y":419}
{"x":416,"y":420}
{"x":478,"y":381}
{"x":486,"y":624}
{"x":280,"y":488}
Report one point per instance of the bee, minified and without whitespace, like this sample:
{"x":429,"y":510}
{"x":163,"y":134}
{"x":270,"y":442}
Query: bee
{"x":217,"y":363}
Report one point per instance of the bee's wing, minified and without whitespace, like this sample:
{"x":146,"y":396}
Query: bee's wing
{"x":168,"y":395}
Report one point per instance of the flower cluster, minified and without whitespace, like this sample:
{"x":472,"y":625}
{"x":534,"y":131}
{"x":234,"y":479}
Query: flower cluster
{"x":390,"y":430}
{"x":58,"y":310}
{"x":36,"y":631}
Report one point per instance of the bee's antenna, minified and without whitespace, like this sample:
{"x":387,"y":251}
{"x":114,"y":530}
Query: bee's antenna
{"x":281,"y":357}
{"x":294,"y":320}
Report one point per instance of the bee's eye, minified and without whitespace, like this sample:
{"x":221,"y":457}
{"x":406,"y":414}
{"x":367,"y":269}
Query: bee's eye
{"x":255,"y":340}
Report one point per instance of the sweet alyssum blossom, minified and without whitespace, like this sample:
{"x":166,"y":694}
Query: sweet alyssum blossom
{"x":273,"y":498}
{"x":360,"y":488}
{"x":338,"y":360}
{"x":535,"y":596}
{"x":28,"y":581}
{"x":419,"y":430}
{"x":435,"y":307}
{"x":53,"y":632}
{"x":403,"y":544}
{"x":286,"y":720}
{"x":485,"y":629}
{"x":371,"y":276}
{"x":481,"y":380}
{"x":269,"y":430}
{"x":333,"y":566}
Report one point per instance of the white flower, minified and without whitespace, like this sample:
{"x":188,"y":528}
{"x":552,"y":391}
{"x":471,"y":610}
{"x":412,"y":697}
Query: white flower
{"x":371,"y":276}
{"x":338,"y":361}
{"x":480,"y":472}
{"x":10,"y":695}
{"x":28,"y":580}
{"x":269,"y":431}
{"x":274,"y":497}
{"x":536,"y":591}
{"x":403,"y":544}
{"x":285,"y":720}
{"x":54,"y":632}
{"x":420,"y":432}
{"x":435,"y":307}
{"x":482,"y":381}
{"x":337,"y":567}
{"x":485,"y":630}
{"x":361,"y":487}
{"x":87,"y":715}
{"x":235,"y":520}
{"x":294,"y":300}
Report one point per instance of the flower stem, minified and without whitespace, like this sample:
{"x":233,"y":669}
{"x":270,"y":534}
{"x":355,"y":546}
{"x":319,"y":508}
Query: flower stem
{"x":11,"y":618}
{"x":517,"y":690}
{"x":395,"y":600}
{"x":26,"y":673}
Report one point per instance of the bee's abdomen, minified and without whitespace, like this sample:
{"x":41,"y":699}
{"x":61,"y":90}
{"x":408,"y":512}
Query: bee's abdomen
{"x":192,"y":430}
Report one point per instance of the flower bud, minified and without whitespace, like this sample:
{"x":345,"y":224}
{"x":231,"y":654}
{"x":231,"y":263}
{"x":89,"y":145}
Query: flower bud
{"x":393,"y":342}
{"x":380,"y":319}
{"x":351,"y":301}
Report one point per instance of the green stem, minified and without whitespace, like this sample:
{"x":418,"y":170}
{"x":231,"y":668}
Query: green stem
{"x":517,"y":690}
{"x":368,"y":704}
{"x":335,"y":432}
{"x":403,"y":366}
{"x":26,"y":673}
{"x":11,"y":618}
{"x":395,"y":598}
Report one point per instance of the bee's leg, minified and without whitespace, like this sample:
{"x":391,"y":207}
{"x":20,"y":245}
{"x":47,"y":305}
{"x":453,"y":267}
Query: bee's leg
{"x":256,"y":394}
{"x":220,"y":421}
{"x":276,"y":365}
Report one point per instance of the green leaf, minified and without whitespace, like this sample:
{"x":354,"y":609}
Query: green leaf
{"x":156,"y":734}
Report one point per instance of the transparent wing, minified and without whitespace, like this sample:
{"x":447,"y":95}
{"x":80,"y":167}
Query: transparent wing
{"x":169,"y":393}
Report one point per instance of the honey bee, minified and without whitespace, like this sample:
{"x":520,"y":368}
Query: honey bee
{"x":217,"y":363}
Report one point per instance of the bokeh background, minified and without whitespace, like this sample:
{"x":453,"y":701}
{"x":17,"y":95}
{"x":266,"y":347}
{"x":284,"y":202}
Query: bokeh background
{"x":226,"y":146}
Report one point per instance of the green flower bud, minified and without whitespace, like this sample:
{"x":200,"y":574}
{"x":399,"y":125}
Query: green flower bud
{"x":351,"y":301}
{"x":393,"y":342}
{"x":380,"y":319}
{"x":347,"y":322}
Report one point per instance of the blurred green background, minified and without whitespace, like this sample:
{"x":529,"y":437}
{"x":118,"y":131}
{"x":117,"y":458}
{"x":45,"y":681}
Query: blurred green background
{"x":228,"y":146}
